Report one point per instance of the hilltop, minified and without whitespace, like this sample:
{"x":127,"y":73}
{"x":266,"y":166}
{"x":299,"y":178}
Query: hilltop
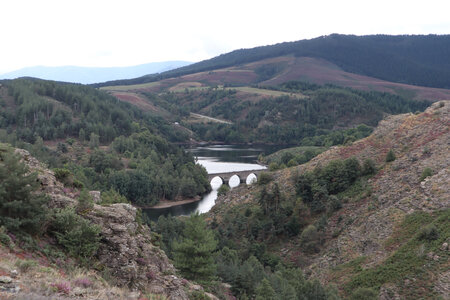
{"x":383,"y":227}
{"x":415,"y":60}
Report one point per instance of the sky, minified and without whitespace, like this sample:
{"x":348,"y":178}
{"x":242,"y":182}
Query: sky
{"x":99,"y":33}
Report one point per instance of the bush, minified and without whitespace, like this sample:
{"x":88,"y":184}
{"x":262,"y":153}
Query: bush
{"x":364,"y":294}
{"x":85,"y":202}
{"x":76,"y":234}
{"x":390,"y":156}
{"x":223,"y":190}
{"x":264,"y":178}
{"x":309,"y":239}
{"x":273,"y":166}
{"x":429,"y":233}
{"x":25,"y":265}
{"x":111,"y":197}
{"x":426,"y":173}
{"x":368,"y":167}
{"x":5,"y":238}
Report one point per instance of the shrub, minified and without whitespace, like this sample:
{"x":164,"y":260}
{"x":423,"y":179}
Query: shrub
{"x":25,"y":265}
{"x":223,"y":190}
{"x":85,"y":202}
{"x":61,"y":287}
{"x":64,"y":175}
{"x":76,"y":234}
{"x":264,"y":178}
{"x":364,"y":294}
{"x":83,"y":282}
{"x":368,"y":167}
{"x":273,"y":166}
{"x":111,"y":197}
{"x":426,"y":173}
{"x":309,"y":239}
{"x":429,"y":233}
{"x":390,"y":156}
{"x":4,"y":237}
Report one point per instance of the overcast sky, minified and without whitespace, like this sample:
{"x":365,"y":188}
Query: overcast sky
{"x":130,"y":32}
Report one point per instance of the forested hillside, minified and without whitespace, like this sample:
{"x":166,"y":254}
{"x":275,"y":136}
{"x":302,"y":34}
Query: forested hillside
{"x":97,"y":142}
{"x":297,"y":113}
{"x":413,"y":59}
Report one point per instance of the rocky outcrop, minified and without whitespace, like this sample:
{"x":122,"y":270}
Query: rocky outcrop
{"x":126,"y":252}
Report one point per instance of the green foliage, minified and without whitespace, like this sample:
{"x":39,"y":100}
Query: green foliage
{"x":223,"y":190}
{"x":408,"y":260}
{"x":364,"y":294}
{"x":21,"y":209}
{"x":265,"y":291}
{"x":111,"y":197}
{"x":85,"y":202}
{"x":198,"y":295}
{"x":76,"y":234}
{"x":318,"y":187}
{"x":25,"y":265}
{"x":426,"y":173}
{"x":309,"y":239}
{"x":368,"y":167}
{"x":5,"y":239}
{"x":429,"y":233}
{"x":194,"y":254}
{"x":390,"y":156}
{"x":264,"y":178}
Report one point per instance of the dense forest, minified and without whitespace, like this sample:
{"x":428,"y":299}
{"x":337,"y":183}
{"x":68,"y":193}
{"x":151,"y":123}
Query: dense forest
{"x":321,"y":117}
{"x":97,"y":142}
{"x":413,"y":59}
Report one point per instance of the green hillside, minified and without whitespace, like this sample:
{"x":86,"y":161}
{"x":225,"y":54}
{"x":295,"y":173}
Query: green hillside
{"x":98,"y":142}
{"x":413,"y":59}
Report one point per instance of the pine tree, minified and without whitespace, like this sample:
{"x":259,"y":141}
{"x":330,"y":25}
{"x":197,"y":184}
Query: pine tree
{"x":194,"y":255}
{"x":20,"y":208}
{"x":265,"y":291}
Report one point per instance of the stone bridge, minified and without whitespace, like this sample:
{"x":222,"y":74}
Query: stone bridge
{"x":241,"y":174}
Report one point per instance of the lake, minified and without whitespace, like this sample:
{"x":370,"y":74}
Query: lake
{"x":217,"y":159}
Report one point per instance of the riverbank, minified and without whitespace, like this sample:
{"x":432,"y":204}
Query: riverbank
{"x":167,"y":203}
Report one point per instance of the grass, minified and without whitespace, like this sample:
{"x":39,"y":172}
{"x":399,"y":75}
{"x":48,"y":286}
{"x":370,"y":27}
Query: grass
{"x":410,"y":260}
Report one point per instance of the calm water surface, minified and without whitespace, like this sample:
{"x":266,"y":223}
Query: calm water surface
{"x":217,"y":159}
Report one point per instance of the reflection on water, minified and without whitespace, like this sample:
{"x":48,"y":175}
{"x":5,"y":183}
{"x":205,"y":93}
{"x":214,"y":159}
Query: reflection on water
{"x":218,"y":159}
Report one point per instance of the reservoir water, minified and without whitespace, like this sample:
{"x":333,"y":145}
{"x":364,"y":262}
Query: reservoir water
{"x":217,"y":159}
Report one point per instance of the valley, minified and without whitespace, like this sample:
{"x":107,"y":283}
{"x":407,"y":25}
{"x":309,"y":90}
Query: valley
{"x":113,"y":190}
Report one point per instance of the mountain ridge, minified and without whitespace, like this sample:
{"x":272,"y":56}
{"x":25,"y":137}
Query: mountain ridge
{"x":90,"y":75}
{"x":413,"y":59}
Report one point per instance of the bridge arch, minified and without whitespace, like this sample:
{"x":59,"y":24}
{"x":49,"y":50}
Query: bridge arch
{"x":243,"y":175}
{"x":235,"y":180}
{"x":251,"y":178}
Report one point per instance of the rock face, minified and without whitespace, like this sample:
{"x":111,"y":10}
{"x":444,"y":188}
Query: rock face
{"x":126,"y":252}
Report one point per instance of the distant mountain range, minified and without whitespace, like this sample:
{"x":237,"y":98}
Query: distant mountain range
{"x":88,"y":75}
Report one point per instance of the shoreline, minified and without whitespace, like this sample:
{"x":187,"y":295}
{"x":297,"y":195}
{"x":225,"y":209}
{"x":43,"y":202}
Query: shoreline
{"x":167,"y":203}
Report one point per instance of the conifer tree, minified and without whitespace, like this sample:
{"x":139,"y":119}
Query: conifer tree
{"x":265,"y":291}
{"x":194,"y":255}
{"x":20,"y":208}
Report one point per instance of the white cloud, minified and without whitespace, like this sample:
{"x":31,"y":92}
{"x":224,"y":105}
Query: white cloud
{"x":119,"y":33}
